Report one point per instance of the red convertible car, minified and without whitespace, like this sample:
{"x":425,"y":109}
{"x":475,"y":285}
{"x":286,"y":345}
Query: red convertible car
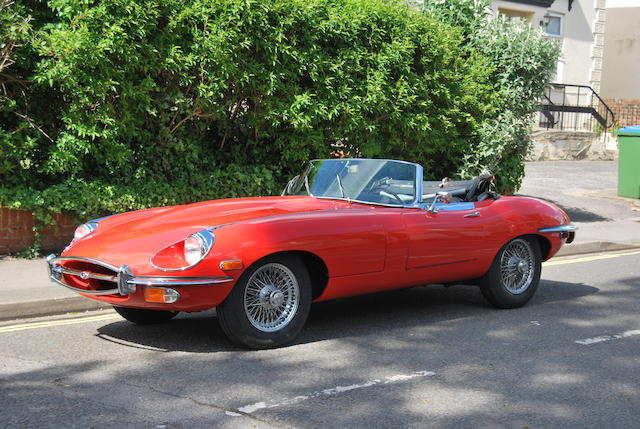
{"x":344,"y":227}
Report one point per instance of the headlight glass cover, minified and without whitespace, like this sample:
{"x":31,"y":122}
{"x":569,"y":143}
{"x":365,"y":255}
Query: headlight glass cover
{"x":84,"y":230}
{"x":194,"y":249}
{"x":185,"y":253}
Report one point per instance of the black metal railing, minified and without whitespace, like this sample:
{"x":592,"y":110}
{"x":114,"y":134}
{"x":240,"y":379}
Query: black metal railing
{"x":574,"y":108}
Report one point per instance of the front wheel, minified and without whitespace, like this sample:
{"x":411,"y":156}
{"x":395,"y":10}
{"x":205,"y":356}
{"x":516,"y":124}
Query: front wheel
{"x":514,"y":275}
{"x":141,"y":316}
{"x":269,"y":305}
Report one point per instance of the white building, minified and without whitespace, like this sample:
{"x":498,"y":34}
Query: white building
{"x":579,"y":27}
{"x":621,"y":63}
{"x":573,"y":112}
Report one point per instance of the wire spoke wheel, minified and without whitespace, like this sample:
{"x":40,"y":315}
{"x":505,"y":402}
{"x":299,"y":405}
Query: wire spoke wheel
{"x":517,"y":266}
{"x":514,"y":275}
{"x":271,"y":297}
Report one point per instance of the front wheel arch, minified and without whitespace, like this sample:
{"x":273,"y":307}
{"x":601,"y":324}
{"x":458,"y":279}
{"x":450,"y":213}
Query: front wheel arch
{"x":249,"y":328}
{"x":316,"y":267}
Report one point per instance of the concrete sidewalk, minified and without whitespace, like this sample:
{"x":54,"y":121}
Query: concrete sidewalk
{"x":586,"y":190}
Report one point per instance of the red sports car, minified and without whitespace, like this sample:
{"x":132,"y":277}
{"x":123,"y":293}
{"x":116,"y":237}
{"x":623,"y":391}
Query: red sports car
{"x":344,"y":227}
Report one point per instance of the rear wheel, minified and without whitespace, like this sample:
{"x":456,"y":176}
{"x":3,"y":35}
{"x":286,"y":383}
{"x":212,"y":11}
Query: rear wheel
{"x":143,"y":316}
{"x":269,"y":305}
{"x":514,"y":275}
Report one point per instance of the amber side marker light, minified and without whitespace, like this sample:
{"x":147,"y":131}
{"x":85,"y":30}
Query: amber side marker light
{"x":231,"y":264}
{"x":161,"y":294}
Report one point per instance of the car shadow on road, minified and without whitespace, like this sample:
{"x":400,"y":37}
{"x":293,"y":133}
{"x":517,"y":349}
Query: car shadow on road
{"x":432,"y":305}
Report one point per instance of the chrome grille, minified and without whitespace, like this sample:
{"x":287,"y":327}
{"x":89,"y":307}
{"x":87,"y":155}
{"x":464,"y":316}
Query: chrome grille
{"x":86,"y":276}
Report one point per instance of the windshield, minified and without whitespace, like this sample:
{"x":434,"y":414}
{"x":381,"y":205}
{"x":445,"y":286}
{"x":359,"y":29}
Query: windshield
{"x":374,"y":181}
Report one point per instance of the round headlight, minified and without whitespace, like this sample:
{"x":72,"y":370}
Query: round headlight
{"x":194,"y":249}
{"x":84,"y":230}
{"x":185,"y":253}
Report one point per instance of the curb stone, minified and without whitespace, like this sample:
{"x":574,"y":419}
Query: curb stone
{"x":595,"y":247}
{"x":49,"y":307}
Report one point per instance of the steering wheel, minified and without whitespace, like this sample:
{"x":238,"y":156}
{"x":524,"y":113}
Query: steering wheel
{"x":393,"y":194}
{"x":378,"y":184}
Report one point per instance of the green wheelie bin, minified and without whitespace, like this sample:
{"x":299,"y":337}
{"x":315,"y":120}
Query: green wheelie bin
{"x":629,"y":161}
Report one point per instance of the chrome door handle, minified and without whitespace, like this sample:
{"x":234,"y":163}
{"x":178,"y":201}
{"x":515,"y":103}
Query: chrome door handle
{"x":474,"y":214}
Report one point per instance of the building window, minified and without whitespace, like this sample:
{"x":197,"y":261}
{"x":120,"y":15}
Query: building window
{"x":552,"y":24}
{"x":518,"y":15}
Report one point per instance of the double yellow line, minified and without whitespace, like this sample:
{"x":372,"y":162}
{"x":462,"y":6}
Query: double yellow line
{"x":103,"y":317}
{"x":588,"y":258}
{"x":36,"y":325}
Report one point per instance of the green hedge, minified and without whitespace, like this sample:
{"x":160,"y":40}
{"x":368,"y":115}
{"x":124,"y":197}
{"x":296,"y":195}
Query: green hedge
{"x":522,"y":60}
{"x":115,"y":105}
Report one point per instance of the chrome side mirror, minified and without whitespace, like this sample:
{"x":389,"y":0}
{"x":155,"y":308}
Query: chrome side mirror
{"x":440,"y":196}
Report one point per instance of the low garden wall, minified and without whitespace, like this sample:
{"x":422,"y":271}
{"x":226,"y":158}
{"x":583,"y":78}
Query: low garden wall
{"x":556,"y":145}
{"x":17,"y":231}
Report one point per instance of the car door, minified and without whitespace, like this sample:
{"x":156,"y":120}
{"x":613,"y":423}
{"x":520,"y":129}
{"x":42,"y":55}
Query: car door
{"x":448,"y":244}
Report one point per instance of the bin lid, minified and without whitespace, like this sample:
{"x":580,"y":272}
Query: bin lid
{"x":631,"y":130}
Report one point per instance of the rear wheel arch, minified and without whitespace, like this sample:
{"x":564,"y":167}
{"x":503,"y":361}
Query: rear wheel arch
{"x":544,"y":243}
{"x":514,"y":274}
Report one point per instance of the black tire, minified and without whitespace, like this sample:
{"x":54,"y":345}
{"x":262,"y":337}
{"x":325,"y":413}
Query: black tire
{"x":510,"y":283}
{"x":275,"y":311}
{"x":141,"y":316}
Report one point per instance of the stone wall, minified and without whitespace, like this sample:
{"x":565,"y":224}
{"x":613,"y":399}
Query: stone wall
{"x":554,"y":145}
{"x":16,"y":231}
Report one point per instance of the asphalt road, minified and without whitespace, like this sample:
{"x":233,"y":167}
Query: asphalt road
{"x":423,"y":357}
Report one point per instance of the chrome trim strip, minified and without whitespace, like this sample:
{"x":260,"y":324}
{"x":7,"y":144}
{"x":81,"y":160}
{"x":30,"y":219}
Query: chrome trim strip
{"x":84,"y":291}
{"x":561,"y":228}
{"x":419,"y":185}
{"x":364,"y":202}
{"x":179,"y":281}
{"x":54,"y":259}
{"x":84,"y":274}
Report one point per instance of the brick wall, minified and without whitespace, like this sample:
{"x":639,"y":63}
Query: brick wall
{"x":627,"y":111}
{"x":16,"y":231}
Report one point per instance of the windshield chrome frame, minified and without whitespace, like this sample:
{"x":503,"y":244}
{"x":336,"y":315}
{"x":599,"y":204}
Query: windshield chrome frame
{"x":415,"y":204}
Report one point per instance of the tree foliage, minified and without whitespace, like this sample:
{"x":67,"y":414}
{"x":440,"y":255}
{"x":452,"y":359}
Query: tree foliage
{"x":522,"y":60}
{"x":125,"y":104}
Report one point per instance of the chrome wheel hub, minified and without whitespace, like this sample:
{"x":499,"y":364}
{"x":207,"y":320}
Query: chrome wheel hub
{"x":517,"y":266}
{"x":523,"y":266}
{"x":271,"y":297}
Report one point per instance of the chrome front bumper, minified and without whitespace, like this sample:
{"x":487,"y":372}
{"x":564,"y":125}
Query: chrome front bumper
{"x":567,"y":231}
{"x":123,"y":278}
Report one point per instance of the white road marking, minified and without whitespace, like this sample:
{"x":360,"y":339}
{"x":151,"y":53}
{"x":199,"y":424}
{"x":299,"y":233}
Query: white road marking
{"x":535,"y":322}
{"x":604,"y":338}
{"x":248,"y":409}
